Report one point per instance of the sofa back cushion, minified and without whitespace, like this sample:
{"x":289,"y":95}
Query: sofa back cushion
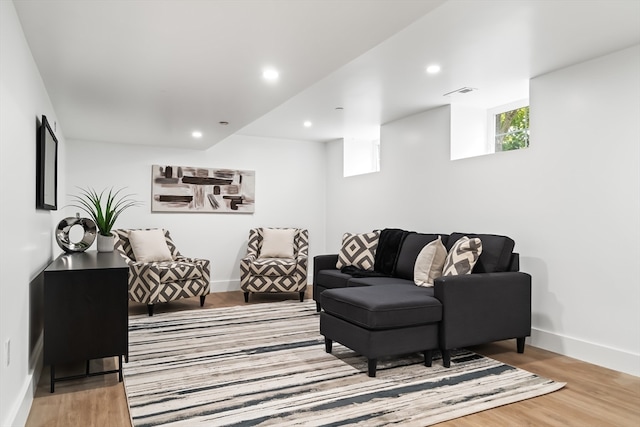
{"x":496,"y":251}
{"x":411,"y":247}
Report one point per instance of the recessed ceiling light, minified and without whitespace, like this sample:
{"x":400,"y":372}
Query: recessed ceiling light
{"x":196,"y":134}
{"x":270,"y":74}
{"x":433,"y":69}
{"x":307,"y":124}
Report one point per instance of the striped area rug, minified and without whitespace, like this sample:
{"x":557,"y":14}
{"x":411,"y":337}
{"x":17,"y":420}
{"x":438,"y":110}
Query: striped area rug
{"x":265,"y":364}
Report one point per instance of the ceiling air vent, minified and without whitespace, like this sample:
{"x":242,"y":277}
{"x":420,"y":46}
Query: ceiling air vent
{"x":461,"y":90}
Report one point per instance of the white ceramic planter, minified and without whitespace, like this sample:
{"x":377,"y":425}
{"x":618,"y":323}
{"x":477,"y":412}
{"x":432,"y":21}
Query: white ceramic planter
{"x":105,"y":243}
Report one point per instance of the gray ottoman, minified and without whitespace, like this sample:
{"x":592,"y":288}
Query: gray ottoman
{"x":382,"y":320}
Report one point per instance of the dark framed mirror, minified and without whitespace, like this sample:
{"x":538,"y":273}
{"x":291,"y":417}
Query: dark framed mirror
{"x":46,"y":167}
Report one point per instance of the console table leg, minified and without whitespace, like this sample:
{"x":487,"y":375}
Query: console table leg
{"x":53,"y":378}
{"x":120,"y":368}
{"x":87,"y":370}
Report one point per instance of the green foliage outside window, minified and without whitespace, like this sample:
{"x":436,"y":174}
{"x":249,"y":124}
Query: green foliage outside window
{"x":512,"y":129}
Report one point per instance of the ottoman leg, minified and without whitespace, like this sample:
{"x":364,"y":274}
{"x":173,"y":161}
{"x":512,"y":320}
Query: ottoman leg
{"x":446,"y":358}
{"x":372,"y":365}
{"x":428,"y":358}
{"x":327,"y":344}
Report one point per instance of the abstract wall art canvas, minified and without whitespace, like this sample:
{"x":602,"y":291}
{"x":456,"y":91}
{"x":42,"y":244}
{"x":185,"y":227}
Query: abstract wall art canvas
{"x":194,"y":189}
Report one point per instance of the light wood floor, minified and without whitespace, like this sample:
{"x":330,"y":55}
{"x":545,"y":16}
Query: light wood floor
{"x":594,"y":396}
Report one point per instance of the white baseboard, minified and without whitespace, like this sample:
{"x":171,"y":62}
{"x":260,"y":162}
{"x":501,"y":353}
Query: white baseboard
{"x":20,"y":411}
{"x":598,"y":354}
{"x":224,"y":286}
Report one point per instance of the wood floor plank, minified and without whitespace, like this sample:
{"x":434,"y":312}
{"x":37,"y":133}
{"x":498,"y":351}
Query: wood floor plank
{"x":594,"y":396}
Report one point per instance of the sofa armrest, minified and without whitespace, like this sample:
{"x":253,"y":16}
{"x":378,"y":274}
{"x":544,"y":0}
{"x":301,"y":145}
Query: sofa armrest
{"x":324,"y":262}
{"x":483,"y":307}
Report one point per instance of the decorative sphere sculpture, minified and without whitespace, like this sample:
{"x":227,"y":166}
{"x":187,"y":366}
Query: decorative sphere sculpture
{"x":64,"y":227}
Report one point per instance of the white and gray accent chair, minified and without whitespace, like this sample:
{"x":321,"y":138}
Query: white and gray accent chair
{"x":164,"y":281}
{"x":259,"y":274}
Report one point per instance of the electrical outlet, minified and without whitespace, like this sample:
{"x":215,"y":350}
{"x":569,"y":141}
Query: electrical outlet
{"x":7,"y":352}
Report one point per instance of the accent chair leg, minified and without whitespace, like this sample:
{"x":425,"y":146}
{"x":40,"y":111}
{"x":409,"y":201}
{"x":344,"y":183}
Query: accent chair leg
{"x":446,"y":358}
{"x":327,"y":344}
{"x":202,"y":298}
{"x":372,"y":364}
{"x":150,"y":309}
{"x":301,"y":296}
{"x":428,"y":358}
{"x":520,"y":344}
{"x":246,"y":297}
{"x":318,"y":308}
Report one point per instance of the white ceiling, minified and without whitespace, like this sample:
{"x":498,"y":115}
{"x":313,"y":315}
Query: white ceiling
{"x":151,"y":72}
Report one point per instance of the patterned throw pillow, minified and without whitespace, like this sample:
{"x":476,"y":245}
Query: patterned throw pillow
{"x":462,"y":257}
{"x":429,"y":263}
{"x":358,"y":250}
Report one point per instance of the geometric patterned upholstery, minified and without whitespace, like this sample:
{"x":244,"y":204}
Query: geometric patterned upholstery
{"x":358,"y":250}
{"x":462,"y":257}
{"x":275,"y":274}
{"x":163,"y":281}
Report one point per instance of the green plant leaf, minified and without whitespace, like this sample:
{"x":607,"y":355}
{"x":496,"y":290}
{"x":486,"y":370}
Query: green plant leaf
{"x":103,"y":212}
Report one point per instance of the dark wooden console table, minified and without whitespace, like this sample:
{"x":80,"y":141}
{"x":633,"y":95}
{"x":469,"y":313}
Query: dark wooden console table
{"x":85,"y":311}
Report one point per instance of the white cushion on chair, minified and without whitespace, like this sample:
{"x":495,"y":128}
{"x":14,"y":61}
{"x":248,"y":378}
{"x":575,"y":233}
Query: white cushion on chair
{"x":149,"y":245}
{"x":277,"y":243}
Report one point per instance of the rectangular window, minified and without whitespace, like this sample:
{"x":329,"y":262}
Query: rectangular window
{"x":362,"y":153}
{"x":512,"y":129}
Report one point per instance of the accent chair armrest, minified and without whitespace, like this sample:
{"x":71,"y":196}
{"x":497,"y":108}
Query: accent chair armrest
{"x":249,"y":258}
{"x":483,"y":307}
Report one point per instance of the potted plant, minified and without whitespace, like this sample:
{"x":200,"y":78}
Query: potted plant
{"x":104,"y":209}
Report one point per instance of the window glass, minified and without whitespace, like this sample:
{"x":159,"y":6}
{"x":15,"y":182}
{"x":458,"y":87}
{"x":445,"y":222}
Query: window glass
{"x":512,"y":129}
{"x":361,"y":154}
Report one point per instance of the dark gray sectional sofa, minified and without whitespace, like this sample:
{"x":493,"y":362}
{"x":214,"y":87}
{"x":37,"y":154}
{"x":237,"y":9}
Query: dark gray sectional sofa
{"x":490,"y":304}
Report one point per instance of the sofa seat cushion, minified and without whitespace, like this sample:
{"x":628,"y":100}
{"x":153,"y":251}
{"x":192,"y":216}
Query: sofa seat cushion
{"x":383,"y":307}
{"x":273,"y":267}
{"x":174,"y":271}
{"x":496,"y":251}
{"x":330,"y":279}
{"x":378,"y":281}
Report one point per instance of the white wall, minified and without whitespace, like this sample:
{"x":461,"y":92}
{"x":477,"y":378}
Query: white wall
{"x":570,"y":201}
{"x":469,"y":132}
{"x":27,"y":233}
{"x":290,"y":192}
